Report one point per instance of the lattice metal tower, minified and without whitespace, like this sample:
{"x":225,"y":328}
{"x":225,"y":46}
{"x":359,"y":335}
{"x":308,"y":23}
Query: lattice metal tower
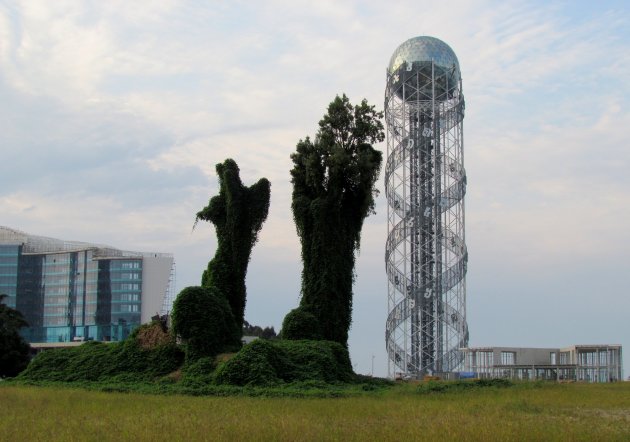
{"x":425,"y":183}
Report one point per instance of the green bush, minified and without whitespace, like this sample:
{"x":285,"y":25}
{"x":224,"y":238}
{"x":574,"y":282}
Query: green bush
{"x":299,"y":324}
{"x":463,"y":385}
{"x":14,"y":351}
{"x":199,"y":372}
{"x":201,"y":367}
{"x":202,"y":318}
{"x":497,"y":382}
{"x":267,"y":363}
{"x":250,"y":367}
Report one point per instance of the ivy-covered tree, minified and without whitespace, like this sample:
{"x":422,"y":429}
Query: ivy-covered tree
{"x":238,"y":213}
{"x":333,"y":192}
{"x":14,"y":351}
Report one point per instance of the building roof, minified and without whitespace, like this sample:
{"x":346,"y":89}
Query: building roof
{"x":34,"y":244}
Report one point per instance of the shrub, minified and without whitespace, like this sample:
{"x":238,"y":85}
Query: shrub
{"x":497,"y":382}
{"x":266,"y":363}
{"x":202,"y":318}
{"x":299,"y":324}
{"x":199,"y":373}
{"x":253,"y":365}
{"x":14,"y":354}
{"x":14,"y":351}
{"x":201,"y":367}
{"x":462,"y":385}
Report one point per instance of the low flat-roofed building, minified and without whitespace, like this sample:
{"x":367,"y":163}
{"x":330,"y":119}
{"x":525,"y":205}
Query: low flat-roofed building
{"x":589,"y":363}
{"x":71,"y":291}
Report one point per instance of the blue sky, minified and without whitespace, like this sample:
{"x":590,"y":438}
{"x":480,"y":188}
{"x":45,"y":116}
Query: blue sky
{"x":113,"y":115}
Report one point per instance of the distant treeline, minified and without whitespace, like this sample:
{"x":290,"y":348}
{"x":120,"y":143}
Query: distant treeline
{"x":255,"y":330}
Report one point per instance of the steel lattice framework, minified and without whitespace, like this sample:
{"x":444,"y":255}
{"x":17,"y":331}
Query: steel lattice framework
{"x":425,"y":183}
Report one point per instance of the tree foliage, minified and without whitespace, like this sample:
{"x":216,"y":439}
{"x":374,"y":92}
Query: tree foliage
{"x":238,"y":213}
{"x":333,"y":192}
{"x":256,"y":330}
{"x":14,"y":351}
{"x":202,"y":318}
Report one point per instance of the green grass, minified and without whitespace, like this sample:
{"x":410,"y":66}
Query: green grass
{"x":404,"y":412}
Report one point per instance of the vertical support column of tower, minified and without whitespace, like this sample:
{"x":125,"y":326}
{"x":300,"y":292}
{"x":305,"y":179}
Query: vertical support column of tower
{"x":425,"y":183}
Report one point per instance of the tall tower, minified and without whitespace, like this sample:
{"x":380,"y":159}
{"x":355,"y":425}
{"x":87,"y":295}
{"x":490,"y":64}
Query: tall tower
{"x":425,"y":183}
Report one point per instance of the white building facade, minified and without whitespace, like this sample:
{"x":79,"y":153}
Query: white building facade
{"x":586,"y":363}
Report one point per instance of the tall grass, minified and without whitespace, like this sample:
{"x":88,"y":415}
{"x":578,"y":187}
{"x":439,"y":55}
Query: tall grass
{"x":525,"y":412}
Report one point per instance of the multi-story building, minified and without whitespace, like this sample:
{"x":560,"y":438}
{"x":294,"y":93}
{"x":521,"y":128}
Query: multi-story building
{"x":74,"y":291}
{"x":589,"y":363}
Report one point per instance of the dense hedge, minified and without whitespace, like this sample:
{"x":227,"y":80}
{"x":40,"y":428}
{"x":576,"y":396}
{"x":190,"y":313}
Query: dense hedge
{"x":98,"y":361}
{"x":267,"y":363}
{"x":202,"y":318}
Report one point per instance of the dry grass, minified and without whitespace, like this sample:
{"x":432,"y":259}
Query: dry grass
{"x":552,"y":412}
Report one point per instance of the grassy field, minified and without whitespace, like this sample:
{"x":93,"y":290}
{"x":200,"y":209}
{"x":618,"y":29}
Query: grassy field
{"x":523,"y":412}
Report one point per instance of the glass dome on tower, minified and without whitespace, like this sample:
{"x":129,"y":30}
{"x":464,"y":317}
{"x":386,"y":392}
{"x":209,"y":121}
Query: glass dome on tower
{"x":417,"y":54}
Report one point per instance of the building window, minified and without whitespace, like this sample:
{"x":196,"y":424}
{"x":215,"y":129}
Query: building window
{"x":552,"y":358}
{"x":564,"y":358}
{"x":587,"y":358}
{"x":129,"y":308}
{"x":485,"y":359}
{"x":508,"y":358}
{"x":470,"y":360}
{"x":129,"y":286}
{"x":130,"y":265}
{"x":130,"y":297}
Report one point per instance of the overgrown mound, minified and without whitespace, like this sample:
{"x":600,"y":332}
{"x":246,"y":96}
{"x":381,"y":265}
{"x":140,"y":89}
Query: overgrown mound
{"x":268,"y":363}
{"x":98,"y":361}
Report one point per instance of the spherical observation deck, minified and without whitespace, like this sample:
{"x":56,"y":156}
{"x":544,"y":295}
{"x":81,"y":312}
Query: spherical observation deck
{"x":417,"y":55}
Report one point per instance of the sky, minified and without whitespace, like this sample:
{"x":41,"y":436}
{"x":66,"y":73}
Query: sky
{"x":113,"y":115}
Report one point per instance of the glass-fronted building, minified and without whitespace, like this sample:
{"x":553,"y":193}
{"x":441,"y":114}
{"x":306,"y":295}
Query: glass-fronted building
{"x":74,"y":291}
{"x":583,"y":363}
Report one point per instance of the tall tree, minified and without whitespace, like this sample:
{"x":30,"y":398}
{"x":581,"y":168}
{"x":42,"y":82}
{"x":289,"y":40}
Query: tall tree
{"x":333,"y":192}
{"x":238,"y":213}
{"x":14,"y":351}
